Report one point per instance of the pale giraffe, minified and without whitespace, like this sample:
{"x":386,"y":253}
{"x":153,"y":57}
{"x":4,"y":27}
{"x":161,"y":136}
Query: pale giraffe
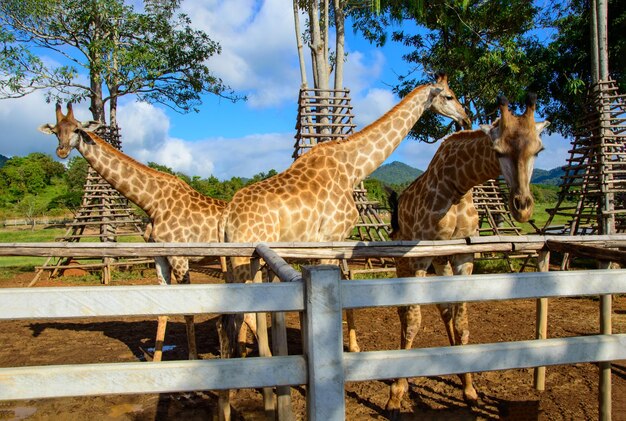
{"x":438,"y":205}
{"x":177,"y":212}
{"x":312,"y":200}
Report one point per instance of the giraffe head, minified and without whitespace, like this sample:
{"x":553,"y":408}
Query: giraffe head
{"x":68,"y":130}
{"x":516,"y":144}
{"x":444,"y":102}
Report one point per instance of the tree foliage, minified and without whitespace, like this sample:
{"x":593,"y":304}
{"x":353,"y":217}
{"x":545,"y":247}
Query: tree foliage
{"x":154,"y":54}
{"x":28,"y":175}
{"x":486,"y":48}
{"x":568,"y":55}
{"x":499,"y":47}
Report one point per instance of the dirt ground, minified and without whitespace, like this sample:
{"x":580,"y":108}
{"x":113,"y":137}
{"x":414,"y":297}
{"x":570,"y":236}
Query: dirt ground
{"x":571,"y":391}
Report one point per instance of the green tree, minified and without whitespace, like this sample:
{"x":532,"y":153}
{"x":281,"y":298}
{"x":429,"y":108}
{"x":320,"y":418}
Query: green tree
{"x":23,"y":175}
{"x":487,"y":48}
{"x":76,"y":174}
{"x":568,"y":55}
{"x":160,"y":167}
{"x":509,"y":47}
{"x":30,"y":207}
{"x":155,"y":55}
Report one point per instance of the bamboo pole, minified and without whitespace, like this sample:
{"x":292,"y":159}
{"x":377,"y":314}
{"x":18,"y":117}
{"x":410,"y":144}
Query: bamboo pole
{"x":543,"y":263}
{"x":604,"y":382}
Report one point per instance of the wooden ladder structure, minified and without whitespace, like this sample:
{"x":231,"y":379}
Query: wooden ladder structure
{"x":593,"y":188}
{"x":594,"y":182}
{"x":325,"y":115}
{"x":104,"y":215}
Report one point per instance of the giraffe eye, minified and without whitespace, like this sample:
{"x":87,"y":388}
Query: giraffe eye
{"x":449,"y":97}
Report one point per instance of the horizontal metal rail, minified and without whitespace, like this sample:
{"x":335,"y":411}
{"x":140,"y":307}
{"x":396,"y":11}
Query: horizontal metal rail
{"x":140,"y":377}
{"x":148,"y":300}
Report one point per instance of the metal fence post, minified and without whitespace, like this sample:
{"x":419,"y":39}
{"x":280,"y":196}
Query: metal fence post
{"x":323,"y":343}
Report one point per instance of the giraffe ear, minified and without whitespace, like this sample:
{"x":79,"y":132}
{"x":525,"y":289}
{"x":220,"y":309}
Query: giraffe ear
{"x":541,"y":125}
{"x":486,"y":128}
{"x":434,"y":91}
{"x":90,"y":126}
{"x":46,"y":128}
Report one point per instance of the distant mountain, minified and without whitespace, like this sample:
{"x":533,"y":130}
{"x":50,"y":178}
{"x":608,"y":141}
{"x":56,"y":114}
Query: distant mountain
{"x":3,"y":159}
{"x":400,"y":173}
{"x":551,"y":177}
{"x":396,"y":173}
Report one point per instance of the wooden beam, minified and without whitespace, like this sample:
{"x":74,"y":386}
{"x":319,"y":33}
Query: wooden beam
{"x":583,"y":250}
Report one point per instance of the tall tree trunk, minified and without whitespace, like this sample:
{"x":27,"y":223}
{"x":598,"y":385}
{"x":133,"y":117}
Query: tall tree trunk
{"x":603,"y":44}
{"x":113,"y":108}
{"x":97,"y":104}
{"x":296,"y":20}
{"x":320,"y":69}
{"x":340,"y":18}
{"x":593,"y":32}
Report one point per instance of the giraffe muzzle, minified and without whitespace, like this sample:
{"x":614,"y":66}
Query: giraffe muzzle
{"x":63,"y":152}
{"x":522,"y":207}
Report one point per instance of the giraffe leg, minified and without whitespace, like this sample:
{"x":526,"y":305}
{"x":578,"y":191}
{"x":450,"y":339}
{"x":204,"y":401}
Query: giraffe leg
{"x":180,"y":267}
{"x":160,"y":336}
{"x":456,"y":322}
{"x":228,"y":327}
{"x":410,"y":322}
{"x":163,"y":275}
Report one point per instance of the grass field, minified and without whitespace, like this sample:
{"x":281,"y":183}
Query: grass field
{"x":38,"y":235}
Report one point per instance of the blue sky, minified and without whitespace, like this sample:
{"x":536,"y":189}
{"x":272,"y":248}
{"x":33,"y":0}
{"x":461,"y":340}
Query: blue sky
{"x":259,"y":60}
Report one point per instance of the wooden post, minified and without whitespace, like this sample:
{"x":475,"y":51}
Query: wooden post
{"x":263,"y":341}
{"x":322,"y":321}
{"x":543,"y":263}
{"x":280,"y":346}
{"x":604,"y":383}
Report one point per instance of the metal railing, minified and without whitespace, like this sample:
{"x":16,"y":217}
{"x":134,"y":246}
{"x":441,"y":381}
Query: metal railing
{"x":320,"y":294}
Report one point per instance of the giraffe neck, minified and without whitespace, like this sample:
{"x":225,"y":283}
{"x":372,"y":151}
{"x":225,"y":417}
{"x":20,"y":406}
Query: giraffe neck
{"x":464,"y":160}
{"x":126,"y":175}
{"x":370,"y":147}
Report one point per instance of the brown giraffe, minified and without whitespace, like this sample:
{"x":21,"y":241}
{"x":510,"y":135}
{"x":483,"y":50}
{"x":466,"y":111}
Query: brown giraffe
{"x":312,"y":200}
{"x":177,"y":212}
{"x":438,"y":206}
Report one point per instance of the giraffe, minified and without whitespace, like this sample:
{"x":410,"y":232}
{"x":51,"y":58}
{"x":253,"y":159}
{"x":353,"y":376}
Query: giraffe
{"x":312,"y":200}
{"x":438,"y":206}
{"x":177,"y":212}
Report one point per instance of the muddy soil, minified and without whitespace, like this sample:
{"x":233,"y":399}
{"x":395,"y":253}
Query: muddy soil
{"x":571,"y":391}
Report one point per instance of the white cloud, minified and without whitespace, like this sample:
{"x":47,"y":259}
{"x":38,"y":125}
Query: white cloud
{"x":144,"y":126}
{"x":259,"y":54}
{"x":243,"y":157}
{"x":19,"y":121}
{"x":363,"y":69}
{"x":145,"y":136}
{"x":372,"y":106}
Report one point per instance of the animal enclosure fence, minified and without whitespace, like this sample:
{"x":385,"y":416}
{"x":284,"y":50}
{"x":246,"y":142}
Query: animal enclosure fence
{"x":319,"y":293}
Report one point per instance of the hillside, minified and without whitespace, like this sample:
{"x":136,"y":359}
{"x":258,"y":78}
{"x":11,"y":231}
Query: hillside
{"x":396,"y":173}
{"x":551,"y":177}
{"x":400,"y":173}
{"x":3,"y":159}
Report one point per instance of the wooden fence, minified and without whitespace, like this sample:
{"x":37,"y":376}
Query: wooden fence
{"x":320,"y":295}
